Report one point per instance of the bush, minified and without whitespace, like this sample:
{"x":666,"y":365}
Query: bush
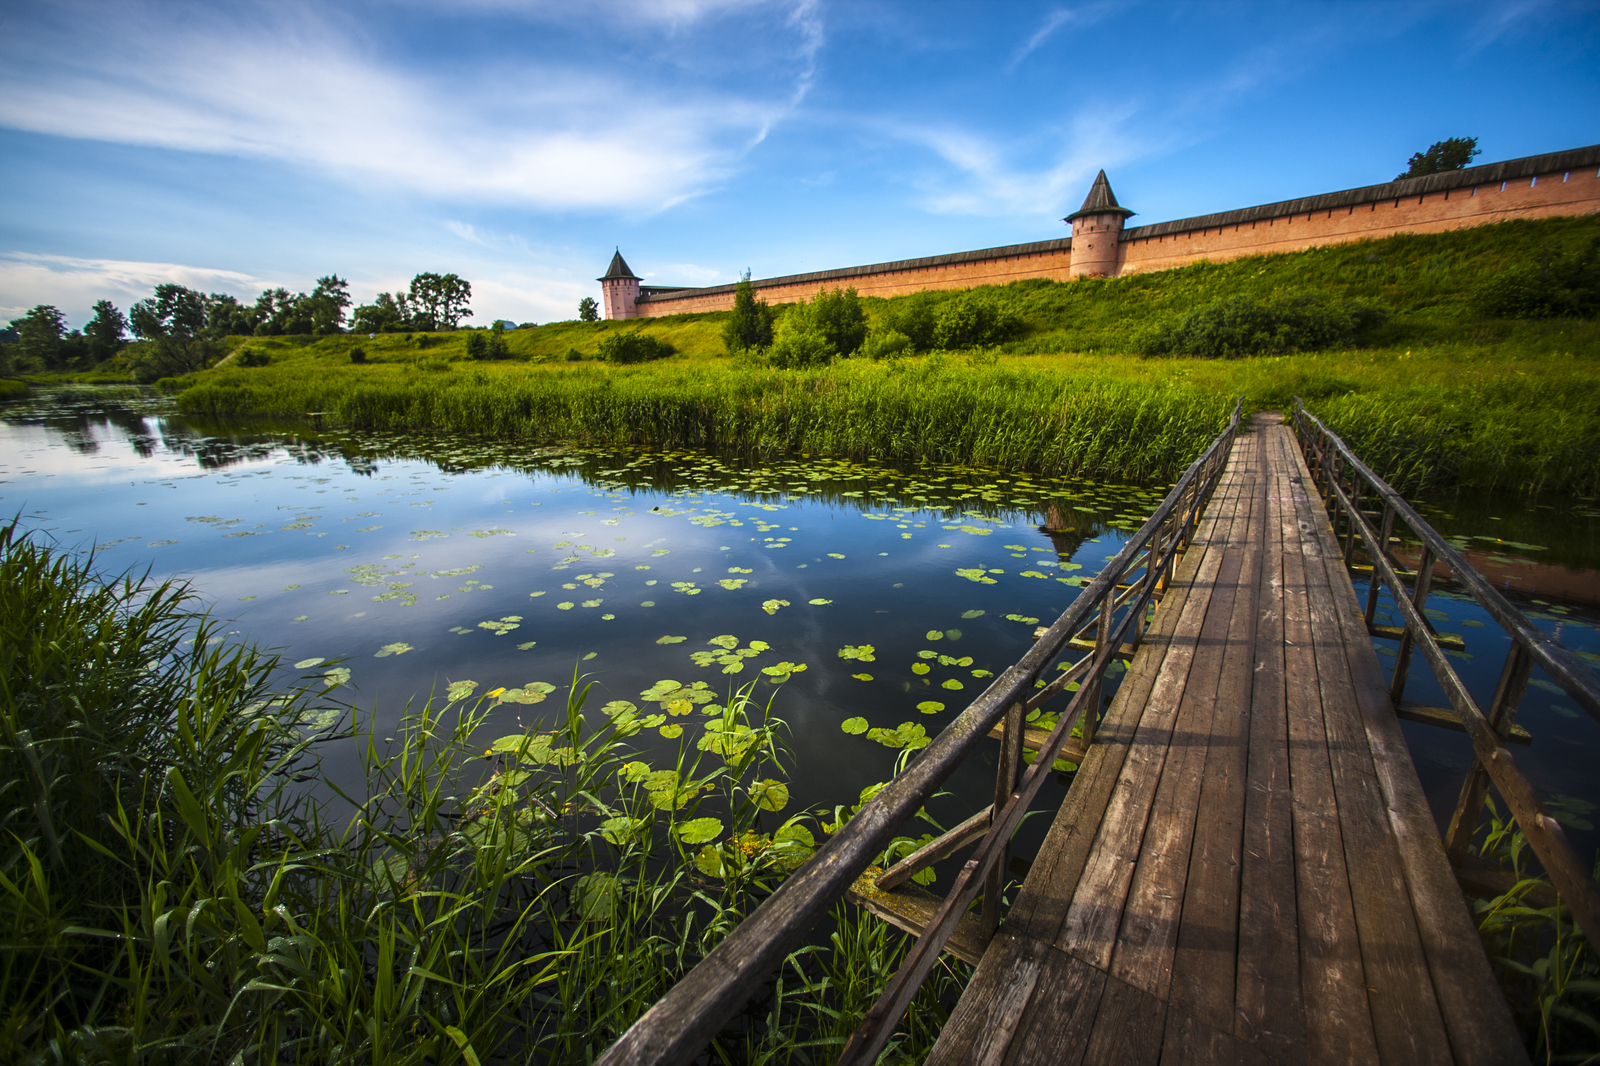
{"x":251,"y":357}
{"x":1238,"y":325}
{"x":973,"y":320}
{"x":574,"y":356}
{"x":1561,"y":287}
{"x":358,"y":355}
{"x":885,"y":344}
{"x":912,"y":317}
{"x":633,"y":346}
{"x":838,"y":316}
{"x":797,"y":348}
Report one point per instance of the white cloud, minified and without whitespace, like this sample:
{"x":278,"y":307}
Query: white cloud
{"x":27,"y":280}
{"x":310,"y":88}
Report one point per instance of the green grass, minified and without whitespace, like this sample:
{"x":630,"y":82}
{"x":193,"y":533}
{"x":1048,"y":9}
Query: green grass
{"x":171,"y":890}
{"x":1442,"y":397}
{"x":11,"y":388}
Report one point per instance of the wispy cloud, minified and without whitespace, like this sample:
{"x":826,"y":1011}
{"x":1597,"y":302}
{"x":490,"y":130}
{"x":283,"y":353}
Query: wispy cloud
{"x":1081,"y":15}
{"x":312,"y":89}
{"x":28,"y":279}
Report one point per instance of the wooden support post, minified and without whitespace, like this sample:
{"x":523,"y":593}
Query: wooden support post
{"x":1091,"y":706}
{"x":1005,"y":782}
{"x":1502,"y":716}
{"x":1402,"y":659}
{"x":1382,"y":547}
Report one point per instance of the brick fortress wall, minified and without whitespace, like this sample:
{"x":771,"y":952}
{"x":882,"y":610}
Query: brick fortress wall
{"x":1561,"y":183}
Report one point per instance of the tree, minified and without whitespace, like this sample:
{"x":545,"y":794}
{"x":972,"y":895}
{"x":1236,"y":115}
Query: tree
{"x":386,"y":314}
{"x":39,"y":334}
{"x":839,"y":316}
{"x":588,"y":310}
{"x":750,"y":325}
{"x":440,"y":300}
{"x":105,"y":331}
{"x":172,"y":325}
{"x":1456,"y":153}
{"x":326,"y":305}
{"x":227,"y":317}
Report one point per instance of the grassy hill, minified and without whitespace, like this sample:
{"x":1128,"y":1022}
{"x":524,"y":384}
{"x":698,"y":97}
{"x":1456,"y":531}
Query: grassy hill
{"x":1438,"y":395}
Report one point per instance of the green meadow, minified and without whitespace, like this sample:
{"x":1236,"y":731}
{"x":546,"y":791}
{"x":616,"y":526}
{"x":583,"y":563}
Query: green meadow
{"x":1438,"y":395}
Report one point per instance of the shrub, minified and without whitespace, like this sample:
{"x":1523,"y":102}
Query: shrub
{"x":971,"y":320}
{"x":1560,"y":287}
{"x":797,"y":348}
{"x":885,"y":344}
{"x":634,"y":346}
{"x":477,"y":346}
{"x":1238,"y":325}
{"x":574,"y":356}
{"x":912,"y":316}
{"x":358,"y":355}
{"x":251,"y":357}
{"x":838,"y":316}
{"x":750,"y":324}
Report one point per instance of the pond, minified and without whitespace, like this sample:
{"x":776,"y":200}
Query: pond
{"x":869,"y":601}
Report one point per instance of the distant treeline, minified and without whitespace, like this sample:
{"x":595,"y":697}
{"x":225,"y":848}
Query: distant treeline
{"x":178,"y":329}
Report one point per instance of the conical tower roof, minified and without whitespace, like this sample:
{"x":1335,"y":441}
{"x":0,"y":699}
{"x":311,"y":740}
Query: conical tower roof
{"x":1100,"y":201}
{"x":618,"y":269}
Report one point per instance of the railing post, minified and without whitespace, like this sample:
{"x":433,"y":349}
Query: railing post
{"x":1384,"y":533}
{"x":1006,"y":771}
{"x":1091,"y":706}
{"x":1408,"y":640}
{"x":1508,"y":693}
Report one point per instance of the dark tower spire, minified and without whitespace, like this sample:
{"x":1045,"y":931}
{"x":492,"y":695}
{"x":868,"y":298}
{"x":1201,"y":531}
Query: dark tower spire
{"x":619,"y":266}
{"x":1100,"y":201}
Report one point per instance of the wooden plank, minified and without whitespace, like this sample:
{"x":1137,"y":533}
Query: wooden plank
{"x":1205,"y":961}
{"x":1147,"y":936}
{"x":1055,"y":1030}
{"x":1269,"y":1011}
{"x":1447,"y":718}
{"x":1405,"y":1013}
{"x":1474,"y":1010}
{"x":1090,"y":927}
{"x":1047,"y":892}
{"x":947,"y":843}
{"x":911,"y":907}
{"x":1333,"y":986}
{"x":981,"y":1026}
{"x":1188,"y":1041}
{"x":1128,"y":1026}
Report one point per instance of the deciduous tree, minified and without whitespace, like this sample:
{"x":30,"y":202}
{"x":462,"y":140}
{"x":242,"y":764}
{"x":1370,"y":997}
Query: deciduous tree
{"x":105,"y":331}
{"x":439,"y":301}
{"x":750,"y":325}
{"x":39,"y":334}
{"x":588,"y":310}
{"x":1455,"y":153}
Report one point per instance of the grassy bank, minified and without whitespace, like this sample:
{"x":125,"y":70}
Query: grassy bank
{"x":172,"y":890}
{"x":1440,"y":396}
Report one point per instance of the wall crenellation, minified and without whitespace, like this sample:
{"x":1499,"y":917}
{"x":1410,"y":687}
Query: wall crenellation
{"x":1558,"y":183}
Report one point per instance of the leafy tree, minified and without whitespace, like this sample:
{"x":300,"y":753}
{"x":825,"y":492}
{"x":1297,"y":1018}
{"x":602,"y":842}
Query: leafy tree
{"x":172,"y":325}
{"x":440,"y":301}
{"x":227,"y":317}
{"x":1456,"y":153}
{"x":279,"y":312}
{"x":386,"y":314}
{"x":839,"y":316}
{"x":327,"y":303}
{"x":39,"y":336}
{"x":969,"y":320}
{"x":105,"y":330}
{"x":588,"y":310}
{"x":750,"y":324}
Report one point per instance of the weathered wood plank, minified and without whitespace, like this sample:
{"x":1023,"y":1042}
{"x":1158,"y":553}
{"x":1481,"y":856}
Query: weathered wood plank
{"x":1090,"y":927}
{"x":1333,"y":986}
{"x":911,"y":907}
{"x":1405,"y":1013}
{"x":1474,"y":1010}
{"x":1056,"y":1028}
{"x":1269,"y":1008}
{"x":980,"y":1029}
{"x":1047,"y":892}
{"x":1148,"y":933}
{"x":1128,"y":1027}
{"x":1205,"y":963}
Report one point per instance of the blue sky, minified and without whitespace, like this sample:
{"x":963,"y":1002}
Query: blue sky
{"x":236,"y":146}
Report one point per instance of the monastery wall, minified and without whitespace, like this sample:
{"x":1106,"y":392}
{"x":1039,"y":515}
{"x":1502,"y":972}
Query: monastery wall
{"x":1561,"y":183}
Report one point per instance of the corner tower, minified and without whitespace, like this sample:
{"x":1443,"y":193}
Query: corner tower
{"x":619,"y":287}
{"x":1097,"y":233}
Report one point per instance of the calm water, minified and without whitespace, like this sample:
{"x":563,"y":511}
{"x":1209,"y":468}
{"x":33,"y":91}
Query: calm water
{"x":416,"y":563}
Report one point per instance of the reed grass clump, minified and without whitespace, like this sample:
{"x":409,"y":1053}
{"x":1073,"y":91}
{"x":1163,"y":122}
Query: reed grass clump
{"x":178,"y":883}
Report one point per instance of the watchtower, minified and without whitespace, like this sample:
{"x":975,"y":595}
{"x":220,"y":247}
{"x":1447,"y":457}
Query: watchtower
{"x":619,"y":287}
{"x":1097,"y":233}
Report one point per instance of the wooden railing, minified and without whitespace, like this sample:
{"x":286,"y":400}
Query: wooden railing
{"x":1348,"y":489}
{"x":1113,"y":610}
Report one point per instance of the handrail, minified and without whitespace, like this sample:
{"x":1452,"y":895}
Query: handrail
{"x":677,"y":1026}
{"x":1530,"y":646}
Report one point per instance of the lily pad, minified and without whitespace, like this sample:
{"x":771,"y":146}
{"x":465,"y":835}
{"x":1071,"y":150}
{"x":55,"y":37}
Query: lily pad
{"x":862,"y":677}
{"x":854,"y":726}
{"x":771,"y":606}
{"x":861,"y":652}
{"x":819,"y":602}
{"x":930,"y":706}
{"x":306,"y":664}
{"x":398,"y":648}
{"x":770,"y":795}
{"x":460,"y":690}
{"x":699,"y":830}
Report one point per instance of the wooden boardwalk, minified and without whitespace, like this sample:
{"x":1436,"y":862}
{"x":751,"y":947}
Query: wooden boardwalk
{"x":1245,"y":869}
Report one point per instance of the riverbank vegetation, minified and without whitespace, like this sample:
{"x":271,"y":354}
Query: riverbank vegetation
{"x":177,"y":882}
